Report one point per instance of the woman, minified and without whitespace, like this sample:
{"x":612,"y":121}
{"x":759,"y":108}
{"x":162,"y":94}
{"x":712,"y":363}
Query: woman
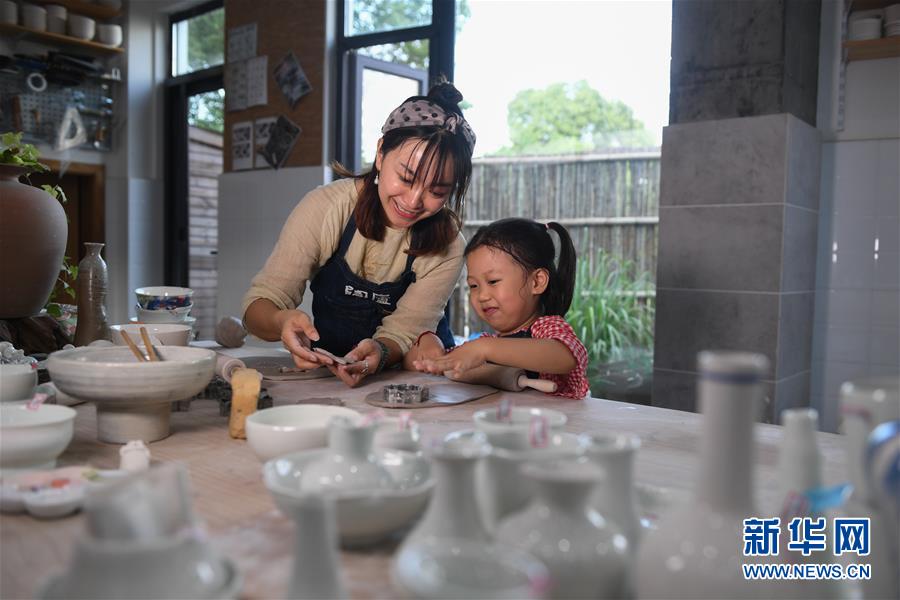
{"x":382,"y":250}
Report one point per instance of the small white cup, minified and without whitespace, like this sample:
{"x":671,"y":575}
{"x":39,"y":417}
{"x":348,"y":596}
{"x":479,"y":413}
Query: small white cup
{"x":9,"y":12}
{"x":34,"y":17}
{"x":56,"y":24}
{"x":109,"y":34}
{"x":82,"y":27}
{"x":56,"y":10}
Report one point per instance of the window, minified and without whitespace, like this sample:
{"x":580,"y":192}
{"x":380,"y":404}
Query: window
{"x":388,"y":50}
{"x":198,"y":40}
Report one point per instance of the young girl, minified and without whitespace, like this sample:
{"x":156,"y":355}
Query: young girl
{"x":518,"y":289}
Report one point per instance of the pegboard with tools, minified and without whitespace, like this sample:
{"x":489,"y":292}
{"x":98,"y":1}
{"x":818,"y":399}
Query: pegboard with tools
{"x":58,"y":114}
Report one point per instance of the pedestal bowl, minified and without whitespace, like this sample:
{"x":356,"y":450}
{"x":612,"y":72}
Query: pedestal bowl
{"x":133,"y":398}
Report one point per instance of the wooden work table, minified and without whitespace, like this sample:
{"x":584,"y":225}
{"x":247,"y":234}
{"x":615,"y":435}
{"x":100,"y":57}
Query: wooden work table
{"x":229,"y":495}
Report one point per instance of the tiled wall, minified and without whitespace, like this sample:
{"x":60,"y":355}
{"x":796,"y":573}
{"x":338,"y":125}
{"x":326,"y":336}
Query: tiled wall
{"x":737,"y":239}
{"x":857,"y":315}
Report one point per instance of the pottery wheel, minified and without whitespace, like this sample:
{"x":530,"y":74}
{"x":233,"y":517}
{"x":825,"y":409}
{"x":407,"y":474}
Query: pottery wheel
{"x":282,"y":368}
{"x":442,"y":394}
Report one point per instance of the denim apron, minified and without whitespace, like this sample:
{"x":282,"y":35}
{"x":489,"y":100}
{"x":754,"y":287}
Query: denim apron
{"x":348,"y":308}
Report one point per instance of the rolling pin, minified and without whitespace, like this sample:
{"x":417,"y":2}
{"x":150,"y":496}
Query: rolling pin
{"x":510,"y":379}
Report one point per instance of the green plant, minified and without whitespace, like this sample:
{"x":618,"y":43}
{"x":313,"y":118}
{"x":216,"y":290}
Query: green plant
{"x":14,"y":152}
{"x":612,"y":313}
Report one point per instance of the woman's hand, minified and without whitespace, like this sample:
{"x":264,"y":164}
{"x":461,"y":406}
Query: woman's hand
{"x":362,"y":362}
{"x":459,"y":360}
{"x":297,"y":335}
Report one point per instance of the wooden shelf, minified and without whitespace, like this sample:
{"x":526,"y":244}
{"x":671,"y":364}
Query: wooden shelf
{"x":55,"y":38}
{"x":872,"y":49}
{"x":88,"y":9}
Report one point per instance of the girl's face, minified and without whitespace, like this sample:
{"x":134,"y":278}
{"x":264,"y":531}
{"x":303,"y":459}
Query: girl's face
{"x":503,"y":294}
{"x":405,"y":201}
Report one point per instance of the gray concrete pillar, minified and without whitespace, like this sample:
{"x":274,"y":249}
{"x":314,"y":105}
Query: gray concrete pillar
{"x":739,"y":195}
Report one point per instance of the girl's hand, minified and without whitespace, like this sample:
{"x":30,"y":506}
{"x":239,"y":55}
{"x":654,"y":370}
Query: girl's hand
{"x":297,"y":335}
{"x":363,"y":361}
{"x":459,"y":360}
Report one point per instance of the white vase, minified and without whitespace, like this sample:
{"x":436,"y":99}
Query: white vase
{"x":502,"y":489}
{"x":696,"y":552}
{"x":453,"y":511}
{"x":865,"y":404}
{"x":349,"y":463}
{"x":586,"y":556}
{"x":315,"y":573}
{"x":614,"y":497}
{"x":799,"y":465}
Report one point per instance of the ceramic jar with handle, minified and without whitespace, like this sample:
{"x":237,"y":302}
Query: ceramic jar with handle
{"x":587,"y":556}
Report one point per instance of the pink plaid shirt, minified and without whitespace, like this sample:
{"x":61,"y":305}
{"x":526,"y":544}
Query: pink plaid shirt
{"x":573,"y":384}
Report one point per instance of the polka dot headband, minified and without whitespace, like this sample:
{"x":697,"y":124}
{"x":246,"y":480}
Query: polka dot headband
{"x":419,"y":112}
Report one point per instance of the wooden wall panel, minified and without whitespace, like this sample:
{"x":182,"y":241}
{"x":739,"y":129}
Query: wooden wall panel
{"x":284,"y":26}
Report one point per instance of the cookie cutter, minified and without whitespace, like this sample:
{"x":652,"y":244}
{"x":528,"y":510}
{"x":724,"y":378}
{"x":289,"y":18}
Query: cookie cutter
{"x":405,"y":393}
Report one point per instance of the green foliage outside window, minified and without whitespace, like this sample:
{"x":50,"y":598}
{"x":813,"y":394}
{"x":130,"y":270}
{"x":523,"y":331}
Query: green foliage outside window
{"x":569,"y":119}
{"x":386,"y":15}
{"x":206,"y":48}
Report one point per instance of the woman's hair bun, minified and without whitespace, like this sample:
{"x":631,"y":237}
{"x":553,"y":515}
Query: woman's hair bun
{"x":445,"y":93}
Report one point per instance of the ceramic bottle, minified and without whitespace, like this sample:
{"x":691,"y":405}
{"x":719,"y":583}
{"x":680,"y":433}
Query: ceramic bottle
{"x":349,"y":463}
{"x":586,"y":555}
{"x":696,"y":552}
{"x":799,"y":465}
{"x":315,"y":574}
{"x":91,"y":286}
{"x":614,"y":497}
{"x":865,"y":405}
{"x":454,"y":511}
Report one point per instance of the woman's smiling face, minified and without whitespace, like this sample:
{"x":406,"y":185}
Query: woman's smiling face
{"x":405,"y":200}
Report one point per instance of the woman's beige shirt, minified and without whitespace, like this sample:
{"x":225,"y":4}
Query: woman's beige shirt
{"x":311,"y":236}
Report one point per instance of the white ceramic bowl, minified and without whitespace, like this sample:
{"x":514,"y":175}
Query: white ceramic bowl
{"x":868,"y":28}
{"x":178,"y":566}
{"x":113,"y":375}
{"x":451,"y":568}
{"x":17,"y":382}
{"x":109,"y":34}
{"x":364,"y":516}
{"x":34,"y":17}
{"x":188,"y":320}
{"x":163,"y":296}
{"x":168,"y":334}
{"x":9,"y":12}
{"x":81,"y":27}
{"x":163,"y":315}
{"x":517,"y":432}
{"x":33,"y":439}
{"x":281,"y":430}
{"x":56,"y":24}
{"x":56,"y":10}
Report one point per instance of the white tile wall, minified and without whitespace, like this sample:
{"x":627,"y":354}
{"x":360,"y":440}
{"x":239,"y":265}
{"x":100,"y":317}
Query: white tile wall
{"x":857,"y":314}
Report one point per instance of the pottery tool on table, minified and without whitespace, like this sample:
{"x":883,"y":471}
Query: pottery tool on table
{"x":151,"y":351}
{"x":443,"y":394}
{"x":245,"y":386}
{"x":510,"y":379}
{"x":133,"y":347}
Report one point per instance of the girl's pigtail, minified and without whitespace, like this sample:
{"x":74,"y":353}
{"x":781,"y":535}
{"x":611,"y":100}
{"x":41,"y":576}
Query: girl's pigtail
{"x":561,"y":288}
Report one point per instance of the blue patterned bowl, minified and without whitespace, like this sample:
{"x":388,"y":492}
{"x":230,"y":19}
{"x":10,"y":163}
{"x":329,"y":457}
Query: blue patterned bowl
{"x":163,"y":297}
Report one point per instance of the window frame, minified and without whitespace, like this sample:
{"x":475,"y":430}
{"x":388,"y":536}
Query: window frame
{"x":177,"y":203}
{"x":441,"y":36}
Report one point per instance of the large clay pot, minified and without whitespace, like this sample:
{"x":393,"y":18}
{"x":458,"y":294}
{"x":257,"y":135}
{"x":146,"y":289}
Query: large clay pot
{"x":33,"y":234}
